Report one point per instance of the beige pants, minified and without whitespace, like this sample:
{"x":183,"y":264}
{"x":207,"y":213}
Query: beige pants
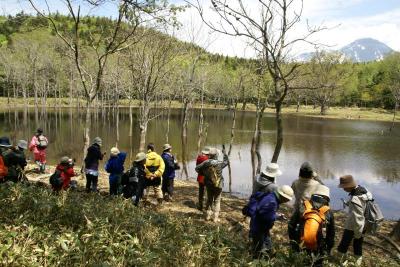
{"x":157,"y":192}
{"x":213,"y":202}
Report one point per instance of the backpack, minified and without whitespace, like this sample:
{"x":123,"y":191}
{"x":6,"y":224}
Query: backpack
{"x":56,"y":180}
{"x":373,"y":217}
{"x":212,"y":178}
{"x":42,"y":142}
{"x":257,"y":206}
{"x":314,"y":219}
{"x":3,"y":169}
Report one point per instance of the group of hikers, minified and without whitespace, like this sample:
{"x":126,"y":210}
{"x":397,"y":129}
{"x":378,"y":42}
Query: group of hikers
{"x":311,"y":227}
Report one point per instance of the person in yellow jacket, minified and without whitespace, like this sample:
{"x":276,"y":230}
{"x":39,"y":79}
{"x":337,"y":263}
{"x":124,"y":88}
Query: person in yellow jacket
{"x":154,"y":170}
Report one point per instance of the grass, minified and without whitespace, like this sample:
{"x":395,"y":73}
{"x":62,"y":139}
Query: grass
{"x":39,"y":228}
{"x":350,"y":113}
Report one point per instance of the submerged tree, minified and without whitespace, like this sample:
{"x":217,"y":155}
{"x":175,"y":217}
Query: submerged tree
{"x":269,"y":28}
{"x":115,"y":36}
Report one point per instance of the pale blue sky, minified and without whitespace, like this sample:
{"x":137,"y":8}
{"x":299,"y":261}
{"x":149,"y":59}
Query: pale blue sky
{"x":348,"y":20}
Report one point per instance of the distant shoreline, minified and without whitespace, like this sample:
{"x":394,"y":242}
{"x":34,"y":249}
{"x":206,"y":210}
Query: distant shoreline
{"x":346,"y":113}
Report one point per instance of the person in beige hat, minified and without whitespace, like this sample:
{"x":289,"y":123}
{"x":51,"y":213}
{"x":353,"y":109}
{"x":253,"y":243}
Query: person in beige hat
{"x":171,"y":165}
{"x":262,"y":209}
{"x":313,"y":227}
{"x":266,"y":180}
{"x":355,"y":221}
{"x":115,"y":167}
{"x":213,"y":180}
{"x":133,"y":181}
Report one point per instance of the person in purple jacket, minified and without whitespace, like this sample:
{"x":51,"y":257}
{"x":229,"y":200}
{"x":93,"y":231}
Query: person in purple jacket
{"x":262,"y":209}
{"x":115,"y":167}
{"x":169,"y":173}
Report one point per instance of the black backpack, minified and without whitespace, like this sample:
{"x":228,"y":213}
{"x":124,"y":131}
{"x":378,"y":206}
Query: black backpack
{"x":56,"y":180}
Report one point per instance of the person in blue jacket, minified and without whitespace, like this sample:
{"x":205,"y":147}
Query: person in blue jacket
{"x":169,"y":173}
{"x":262,"y":209}
{"x":115,"y":167}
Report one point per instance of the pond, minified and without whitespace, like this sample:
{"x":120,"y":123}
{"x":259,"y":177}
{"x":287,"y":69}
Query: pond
{"x":365,"y":149}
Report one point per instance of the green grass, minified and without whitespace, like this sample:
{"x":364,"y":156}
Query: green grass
{"x":75,"y":229}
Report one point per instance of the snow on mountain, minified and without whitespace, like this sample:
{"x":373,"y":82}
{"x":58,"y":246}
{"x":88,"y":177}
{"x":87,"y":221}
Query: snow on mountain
{"x":361,"y":50}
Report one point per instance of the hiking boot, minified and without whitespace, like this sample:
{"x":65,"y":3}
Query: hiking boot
{"x":160,"y":201}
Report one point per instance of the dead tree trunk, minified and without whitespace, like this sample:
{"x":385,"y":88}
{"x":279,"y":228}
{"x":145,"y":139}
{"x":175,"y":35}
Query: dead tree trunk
{"x":231,"y":143}
{"x":394,"y":116}
{"x":184,"y":138}
{"x":201,"y":123}
{"x":279,"y":131}
{"x":168,"y":120}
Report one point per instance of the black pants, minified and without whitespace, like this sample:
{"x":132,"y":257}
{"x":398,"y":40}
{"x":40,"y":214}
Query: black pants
{"x":91,"y":182}
{"x":201,"y":196}
{"x":167,"y":186}
{"x":347,"y":237}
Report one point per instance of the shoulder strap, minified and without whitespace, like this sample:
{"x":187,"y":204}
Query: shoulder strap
{"x":307,"y":205}
{"x":322,"y":211}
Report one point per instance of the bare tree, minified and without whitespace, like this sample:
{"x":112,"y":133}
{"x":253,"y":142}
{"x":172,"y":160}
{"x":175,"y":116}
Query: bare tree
{"x":327,"y":76}
{"x":270,"y":34}
{"x":104,"y":42}
{"x":149,"y":66}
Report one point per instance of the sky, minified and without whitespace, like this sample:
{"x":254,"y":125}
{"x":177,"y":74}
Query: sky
{"x":345,"y":20}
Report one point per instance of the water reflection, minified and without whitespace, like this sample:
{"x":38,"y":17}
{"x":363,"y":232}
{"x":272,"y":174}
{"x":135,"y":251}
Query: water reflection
{"x":335,"y":147}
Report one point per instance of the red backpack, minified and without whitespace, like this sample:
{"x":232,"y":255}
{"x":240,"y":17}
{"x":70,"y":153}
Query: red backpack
{"x":3,"y":169}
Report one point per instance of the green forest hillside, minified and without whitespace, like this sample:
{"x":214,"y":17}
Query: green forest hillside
{"x":36,"y":63}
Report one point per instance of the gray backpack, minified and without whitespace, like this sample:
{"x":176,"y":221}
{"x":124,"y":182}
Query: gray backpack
{"x":373,"y":217}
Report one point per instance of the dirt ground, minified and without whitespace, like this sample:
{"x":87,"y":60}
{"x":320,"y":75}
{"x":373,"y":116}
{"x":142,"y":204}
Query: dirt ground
{"x":376,"y":247}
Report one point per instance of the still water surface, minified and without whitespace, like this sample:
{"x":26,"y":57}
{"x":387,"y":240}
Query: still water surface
{"x":334,"y":147}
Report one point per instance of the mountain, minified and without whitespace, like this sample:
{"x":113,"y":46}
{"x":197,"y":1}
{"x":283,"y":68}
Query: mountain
{"x":361,"y":50}
{"x":366,"y":49}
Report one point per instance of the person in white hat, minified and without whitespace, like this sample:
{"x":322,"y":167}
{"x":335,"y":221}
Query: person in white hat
{"x":266,"y":180}
{"x":133,"y":181}
{"x":93,"y":156}
{"x":262,"y":209}
{"x":171,"y":165}
{"x":213,"y":180}
{"x":203,"y":156}
{"x":313,"y":227}
{"x":115,"y":167}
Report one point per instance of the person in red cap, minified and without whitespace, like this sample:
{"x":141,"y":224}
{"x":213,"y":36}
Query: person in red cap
{"x":203,"y":156}
{"x":355,"y":221}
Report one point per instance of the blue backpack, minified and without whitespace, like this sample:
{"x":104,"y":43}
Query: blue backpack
{"x":257,"y":206}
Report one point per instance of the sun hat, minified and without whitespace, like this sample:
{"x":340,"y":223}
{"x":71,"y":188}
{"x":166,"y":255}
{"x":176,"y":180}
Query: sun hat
{"x":97,"y":140}
{"x":206,"y":150}
{"x":213,"y":151}
{"x":347,"y":181}
{"x":140,"y":157}
{"x":166,"y":147}
{"x":272,"y":170}
{"x":39,"y":130}
{"x":322,"y":190}
{"x":114,"y":151}
{"x":5,"y":141}
{"x":22,"y":144}
{"x":64,"y":160}
{"x":285,"y":191}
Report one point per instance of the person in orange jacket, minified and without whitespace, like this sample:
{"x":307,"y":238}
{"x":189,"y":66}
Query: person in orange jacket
{"x":66,"y":168}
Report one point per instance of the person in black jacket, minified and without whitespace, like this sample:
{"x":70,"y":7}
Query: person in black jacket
{"x":92,"y":159}
{"x":325,"y":235}
{"x":15,"y":161}
{"x":133,"y":181}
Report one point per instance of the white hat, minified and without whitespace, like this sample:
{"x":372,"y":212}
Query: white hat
{"x":114,"y":151}
{"x":213,"y":151}
{"x":285,"y":191}
{"x":272,"y":170}
{"x":140,"y":156}
{"x":322,"y":190}
{"x":23,"y":144}
{"x":206,"y":150}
